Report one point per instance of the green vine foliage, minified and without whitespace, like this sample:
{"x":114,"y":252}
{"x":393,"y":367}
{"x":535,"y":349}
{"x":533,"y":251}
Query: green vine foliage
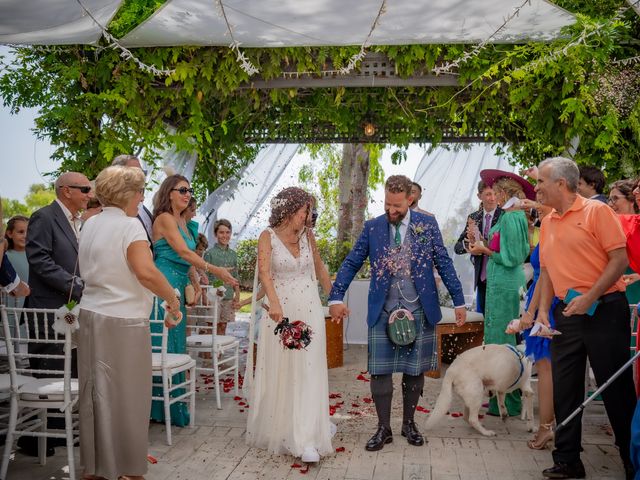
{"x":93,"y":105}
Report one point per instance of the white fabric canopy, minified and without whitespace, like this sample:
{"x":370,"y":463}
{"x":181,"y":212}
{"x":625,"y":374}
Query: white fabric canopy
{"x":279,"y":23}
{"x":241,"y":199}
{"x":54,"y":22}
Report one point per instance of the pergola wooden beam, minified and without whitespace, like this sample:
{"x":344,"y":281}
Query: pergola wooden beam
{"x":376,"y":70}
{"x":355,"y":81}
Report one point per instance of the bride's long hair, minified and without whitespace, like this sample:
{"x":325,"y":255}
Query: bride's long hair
{"x":286,"y":203}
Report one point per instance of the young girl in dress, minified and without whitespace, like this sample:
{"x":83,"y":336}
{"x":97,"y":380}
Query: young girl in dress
{"x":16,"y":236}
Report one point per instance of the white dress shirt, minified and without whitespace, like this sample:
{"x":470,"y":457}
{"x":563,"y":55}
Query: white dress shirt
{"x":404,"y":224}
{"x":74,"y":220}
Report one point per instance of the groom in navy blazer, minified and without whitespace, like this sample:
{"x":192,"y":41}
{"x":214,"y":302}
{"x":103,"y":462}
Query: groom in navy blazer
{"x":403,"y":247}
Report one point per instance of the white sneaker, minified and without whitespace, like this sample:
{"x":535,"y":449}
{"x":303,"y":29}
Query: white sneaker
{"x":332,"y":429}
{"x":310,"y":455}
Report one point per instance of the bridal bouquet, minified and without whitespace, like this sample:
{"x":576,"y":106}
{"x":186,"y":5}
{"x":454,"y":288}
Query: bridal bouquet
{"x":295,"y":335}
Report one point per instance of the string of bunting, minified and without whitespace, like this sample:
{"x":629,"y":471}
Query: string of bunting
{"x":125,"y":53}
{"x":244,"y":62}
{"x":466,"y":56}
{"x":627,"y":61}
{"x":358,"y":57}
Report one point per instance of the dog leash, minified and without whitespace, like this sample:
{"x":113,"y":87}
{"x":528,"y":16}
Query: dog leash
{"x":520,"y":356}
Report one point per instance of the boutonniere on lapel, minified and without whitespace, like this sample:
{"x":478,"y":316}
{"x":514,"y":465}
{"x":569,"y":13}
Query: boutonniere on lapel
{"x":66,"y":317}
{"x":419,"y":231}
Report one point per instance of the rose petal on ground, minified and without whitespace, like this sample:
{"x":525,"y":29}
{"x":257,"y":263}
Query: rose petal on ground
{"x":152,"y":459}
{"x":296,"y":465}
{"x":305,"y":469}
{"x":367,"y":399}
{"x":340,"y":449}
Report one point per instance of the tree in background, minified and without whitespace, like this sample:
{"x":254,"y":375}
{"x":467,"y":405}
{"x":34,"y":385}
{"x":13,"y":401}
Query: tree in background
{"x":341,"y":178}
{"x":39,"y":196}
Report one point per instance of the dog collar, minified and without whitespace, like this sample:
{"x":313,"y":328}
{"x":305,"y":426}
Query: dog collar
{"x":520,"y":356}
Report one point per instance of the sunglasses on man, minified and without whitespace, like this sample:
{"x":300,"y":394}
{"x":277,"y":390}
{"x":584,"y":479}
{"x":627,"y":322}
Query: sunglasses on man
{"x":83,"y":188}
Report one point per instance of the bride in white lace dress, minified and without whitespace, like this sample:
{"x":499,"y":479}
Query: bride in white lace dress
{"x":289,"y":397}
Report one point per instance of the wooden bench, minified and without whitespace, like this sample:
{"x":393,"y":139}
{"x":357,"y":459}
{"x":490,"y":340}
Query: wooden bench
{"x":458,"y":339}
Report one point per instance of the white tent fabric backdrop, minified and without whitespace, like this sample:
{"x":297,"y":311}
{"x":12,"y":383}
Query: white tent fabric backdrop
{"x":240,"y":198}
{"x":54,"y":22}
{"x":280,"y":23}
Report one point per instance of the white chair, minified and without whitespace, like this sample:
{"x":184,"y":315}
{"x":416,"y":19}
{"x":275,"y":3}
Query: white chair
{"x":224,"y":350}
{"x":32,"y":398}
{"x":166,"y":365}
{"x":5,"y":378}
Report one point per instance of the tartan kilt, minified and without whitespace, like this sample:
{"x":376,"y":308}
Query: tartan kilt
{"x":384,"y":357}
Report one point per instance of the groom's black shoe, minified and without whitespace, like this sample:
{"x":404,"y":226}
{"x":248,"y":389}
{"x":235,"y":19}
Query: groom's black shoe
{"x":379,"y":439}
{"x":414,"y":437}
{"x":565,"y":470}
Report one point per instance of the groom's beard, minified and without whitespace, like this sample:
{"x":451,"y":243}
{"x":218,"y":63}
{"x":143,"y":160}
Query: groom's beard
{"x":397,"y":218}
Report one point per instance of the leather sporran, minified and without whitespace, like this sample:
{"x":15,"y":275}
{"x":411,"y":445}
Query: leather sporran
{"x":401,"y":327}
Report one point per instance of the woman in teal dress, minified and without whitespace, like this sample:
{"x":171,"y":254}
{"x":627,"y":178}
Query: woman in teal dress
{"x":173,"y":246}
{"x":508,"y":248}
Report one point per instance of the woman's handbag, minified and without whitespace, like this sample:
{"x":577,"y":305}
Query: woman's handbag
{"x":402,"y":327}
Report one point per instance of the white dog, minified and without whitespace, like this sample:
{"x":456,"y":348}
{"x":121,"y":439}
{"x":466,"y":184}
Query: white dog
{"x":493,"y":368}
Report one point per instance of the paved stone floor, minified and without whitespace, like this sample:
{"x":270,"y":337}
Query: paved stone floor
{"x":215,"y":447}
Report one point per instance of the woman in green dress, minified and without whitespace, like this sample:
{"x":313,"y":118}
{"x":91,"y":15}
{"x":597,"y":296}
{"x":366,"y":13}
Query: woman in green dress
{"x":173,"y":248}
{"x":507,"y":249}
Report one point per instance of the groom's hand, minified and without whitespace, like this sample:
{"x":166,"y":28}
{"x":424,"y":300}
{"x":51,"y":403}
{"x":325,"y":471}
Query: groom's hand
{"x":338,"y":311}
{"x":461,"y":316}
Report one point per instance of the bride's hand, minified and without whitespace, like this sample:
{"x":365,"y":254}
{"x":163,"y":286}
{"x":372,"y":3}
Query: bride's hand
{"x":275,"y":312}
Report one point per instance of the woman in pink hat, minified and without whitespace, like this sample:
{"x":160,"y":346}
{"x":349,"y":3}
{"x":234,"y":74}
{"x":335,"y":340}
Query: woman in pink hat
{"x":507,"y":247}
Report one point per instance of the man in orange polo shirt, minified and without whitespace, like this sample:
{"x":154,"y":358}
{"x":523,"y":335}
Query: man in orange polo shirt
{"x":582,"y":248}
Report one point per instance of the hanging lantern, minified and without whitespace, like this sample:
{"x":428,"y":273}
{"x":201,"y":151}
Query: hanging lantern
{"x":369,"y":129}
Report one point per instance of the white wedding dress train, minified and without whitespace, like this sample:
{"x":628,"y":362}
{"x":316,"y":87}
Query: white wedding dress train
{"x":289,"y":396}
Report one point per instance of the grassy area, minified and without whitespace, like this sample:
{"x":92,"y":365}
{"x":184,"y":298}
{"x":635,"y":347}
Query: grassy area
{"x":243,"y":295}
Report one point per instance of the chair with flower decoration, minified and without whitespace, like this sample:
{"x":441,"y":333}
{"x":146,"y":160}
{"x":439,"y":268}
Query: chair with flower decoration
{"x":32,"y":399}
{"x":165,"y":365}
{"x":224,"y":350}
